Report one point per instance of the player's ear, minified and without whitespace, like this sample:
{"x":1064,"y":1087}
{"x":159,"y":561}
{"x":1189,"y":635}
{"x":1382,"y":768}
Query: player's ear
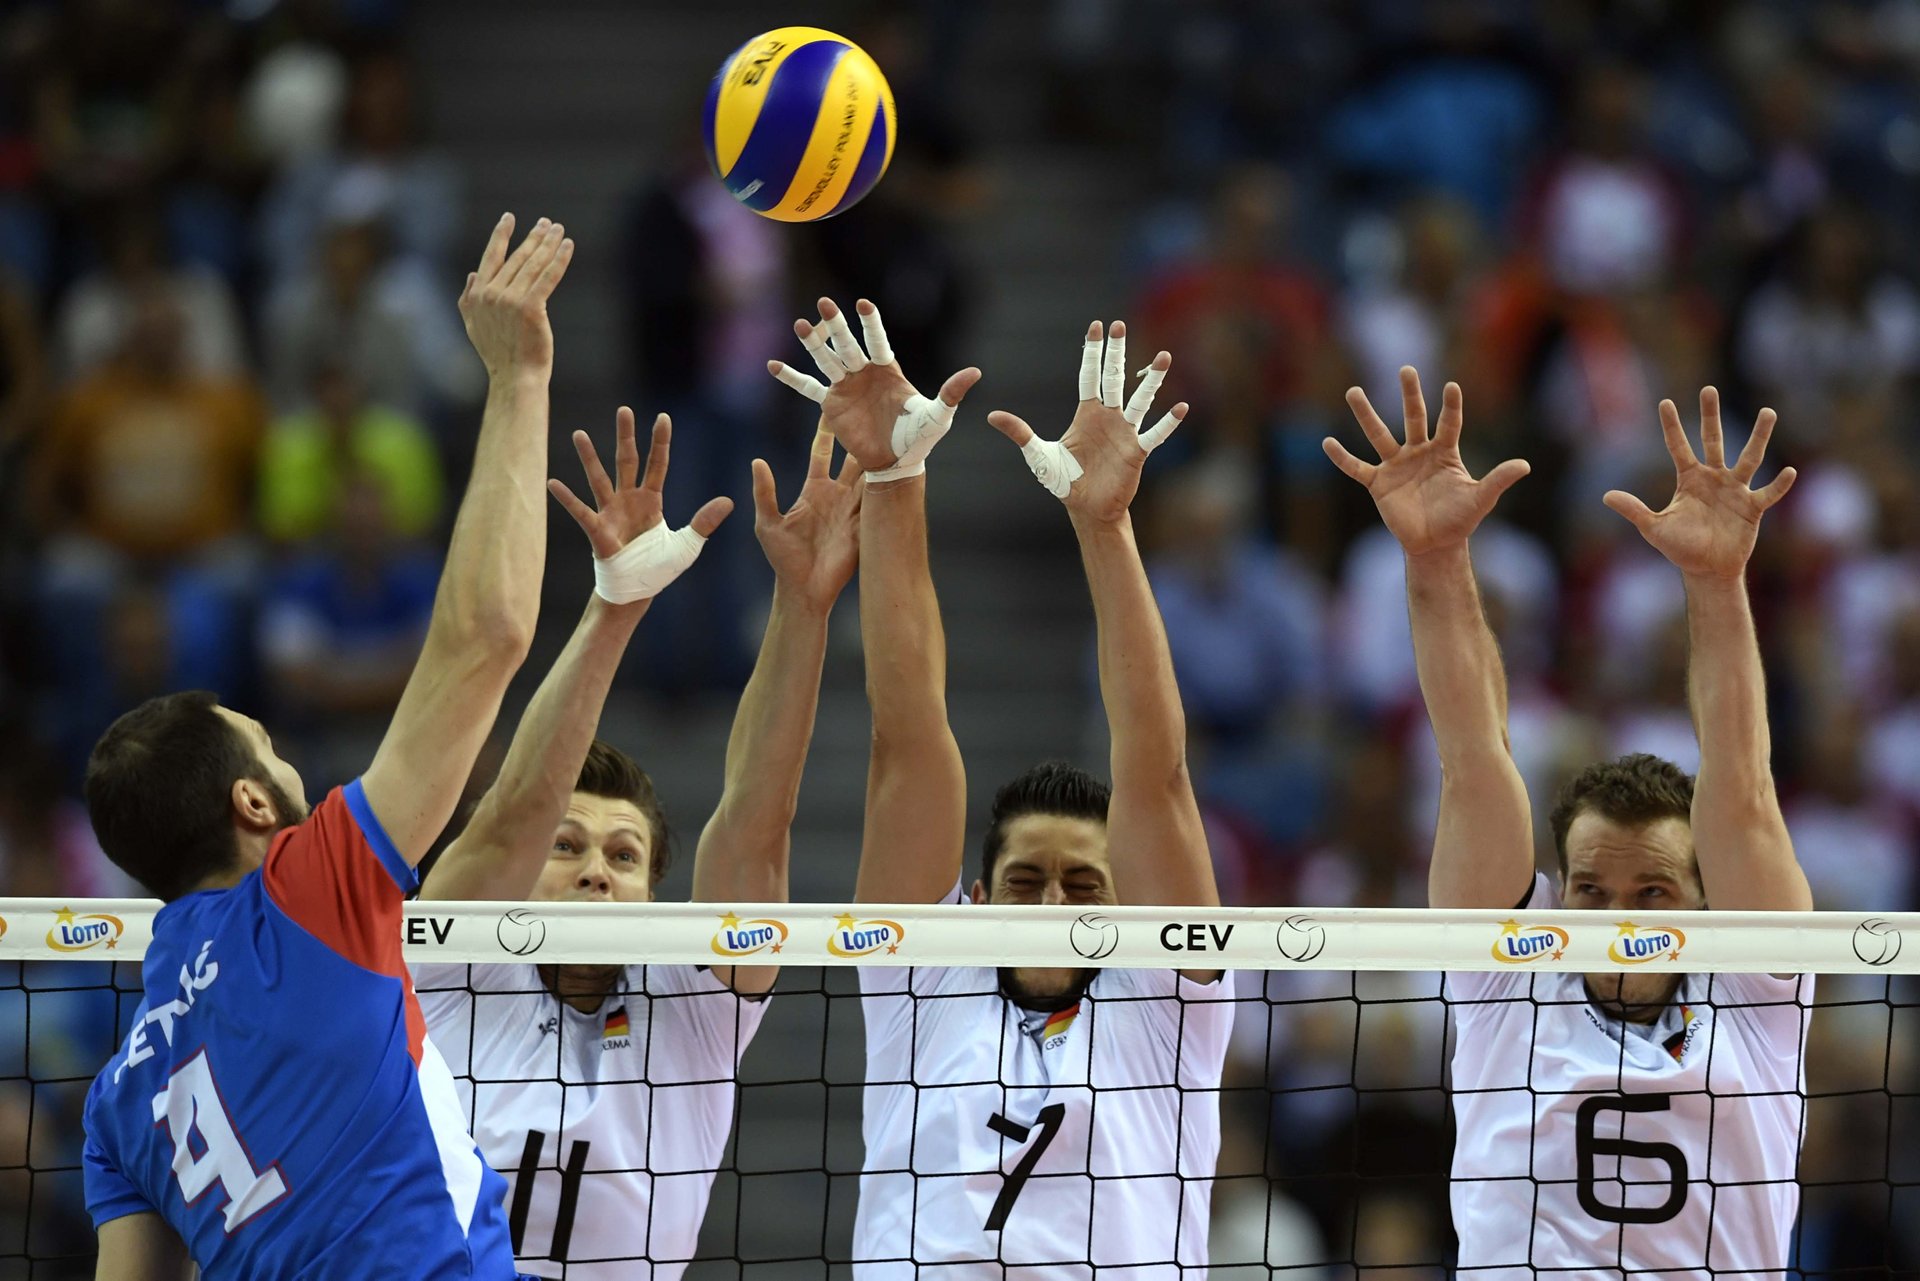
{"x":253,"y":807}
{"x":979,"y":892}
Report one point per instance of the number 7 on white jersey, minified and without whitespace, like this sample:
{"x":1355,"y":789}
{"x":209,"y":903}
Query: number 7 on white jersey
{"x":192,"y":1102}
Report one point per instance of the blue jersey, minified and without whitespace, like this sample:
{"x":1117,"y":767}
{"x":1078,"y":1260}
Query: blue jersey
{"x":278,"y":1102}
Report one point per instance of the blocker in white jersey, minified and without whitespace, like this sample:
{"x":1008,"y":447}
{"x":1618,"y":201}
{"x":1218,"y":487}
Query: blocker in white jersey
{"x":1589,"y":1147}
{"x":609,"y":1126}
{"x":1009,"y":1142}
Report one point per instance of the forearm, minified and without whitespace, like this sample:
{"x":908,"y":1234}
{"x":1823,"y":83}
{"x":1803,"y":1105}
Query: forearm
{"x":1746,"y":856}
{"x":1728,"y":690}
{"x":500,"y":853}
{"x":1144,"y":715}
{"x":1156,"y":841}
{"x":490,"y":587}
{"x":1483,"y":841}
{"x":916,"y":784}
{"x":743,"y":850}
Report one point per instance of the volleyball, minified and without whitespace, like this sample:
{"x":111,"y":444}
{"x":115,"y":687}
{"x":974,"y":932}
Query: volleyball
{"x":799,"y":124}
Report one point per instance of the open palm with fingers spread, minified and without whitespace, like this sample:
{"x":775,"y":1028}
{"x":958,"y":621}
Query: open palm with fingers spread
{"x":813,"y":546}
{"x":635,"y":554}
{"x":1425,"y":494}
{"x":1095,"y":468}
{"x":1709,"y":526}
{"x":867,"y":403}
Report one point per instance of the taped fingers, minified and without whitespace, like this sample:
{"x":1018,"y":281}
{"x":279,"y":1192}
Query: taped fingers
{"x":1150,"y":379}
{"x":1150,"y":438}
{"x":815,"y":341}
{"x":879,"y":350}
{"x":843,"y":344}
{"x":1113,"y":372}
{"x":1090,"y":363}
{"x":806,"y":384}
{"x":1052,"y":464}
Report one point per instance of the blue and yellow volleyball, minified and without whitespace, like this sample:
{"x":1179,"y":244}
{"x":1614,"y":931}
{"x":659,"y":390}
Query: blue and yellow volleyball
{"x":799,"y":124}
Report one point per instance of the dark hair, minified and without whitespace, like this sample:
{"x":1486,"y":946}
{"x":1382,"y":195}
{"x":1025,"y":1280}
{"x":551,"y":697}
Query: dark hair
{"x":1633,"y":791}
{"x":159,"y":791}
{"x":1051,"y":787}
{"x":611,"y":773}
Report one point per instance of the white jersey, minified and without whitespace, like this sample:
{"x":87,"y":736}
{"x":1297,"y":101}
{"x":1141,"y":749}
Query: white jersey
{"x":1590,"y":1148}
{"x":1004,"y":1142}
{"x":610,"y":1126}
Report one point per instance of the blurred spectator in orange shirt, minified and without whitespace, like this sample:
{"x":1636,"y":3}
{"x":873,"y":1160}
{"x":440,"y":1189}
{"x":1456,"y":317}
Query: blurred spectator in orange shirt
{"x":147,"y":457}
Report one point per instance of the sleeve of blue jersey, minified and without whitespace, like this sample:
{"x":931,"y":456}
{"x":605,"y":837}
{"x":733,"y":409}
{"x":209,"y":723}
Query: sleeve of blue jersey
{"x":404,"y":874}
{"x":109,"y":1195}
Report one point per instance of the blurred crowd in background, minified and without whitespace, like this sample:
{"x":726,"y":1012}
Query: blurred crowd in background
{"x":236,"y":405}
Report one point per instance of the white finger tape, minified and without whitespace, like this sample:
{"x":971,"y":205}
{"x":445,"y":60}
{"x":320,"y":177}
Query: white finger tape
{"x":645,"y":566}
{"x":830,"y":365}
{"x":1090,"y":369}
{"x":806,"y":384}
{"x":1142,"y":401}
{"x":1113,"y":378}
{"x":843,"y":344}
{"x":1052,"y":464}
{"x":879,"y":350}
{"x":916,"y":431}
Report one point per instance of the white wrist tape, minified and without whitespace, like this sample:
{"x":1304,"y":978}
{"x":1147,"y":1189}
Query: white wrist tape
{"x":921,"y":424}
{"x":1052,"y":464}
{"x":645,"y":566}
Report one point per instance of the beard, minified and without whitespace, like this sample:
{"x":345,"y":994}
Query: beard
{"x":292,"y":811}
{"x":1046,"y":990}
{"x":1633,"y":998}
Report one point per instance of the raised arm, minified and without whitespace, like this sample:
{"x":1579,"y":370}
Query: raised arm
{"x":1483,"y":842}
{"x":813,"y":547}
{"x":1708,"y":531}
{"x":501,"y":852}
{"x":489,"y":597}
{"x":910,"y":851}
{"x":1155,"y":841}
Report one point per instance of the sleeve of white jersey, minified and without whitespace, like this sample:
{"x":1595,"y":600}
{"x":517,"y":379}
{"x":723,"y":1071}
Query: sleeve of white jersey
{"x":711,"y":1024}
{"x":1195,"y":1019}
{"x":1775,"y":1006}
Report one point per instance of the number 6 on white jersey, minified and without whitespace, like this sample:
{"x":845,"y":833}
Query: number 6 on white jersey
{"x":192,"y":1102}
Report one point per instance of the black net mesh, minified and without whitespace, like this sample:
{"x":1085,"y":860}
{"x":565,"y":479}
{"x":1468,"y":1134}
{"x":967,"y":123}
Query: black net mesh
{"x":1337,"y":1130}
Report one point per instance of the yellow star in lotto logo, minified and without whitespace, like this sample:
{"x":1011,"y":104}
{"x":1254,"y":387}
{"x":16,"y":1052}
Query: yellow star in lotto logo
{"x":1638,"y":944}
{"x":736,"y":937}
{"x":855,"y":937}
{"x":76,"y":932}
{"x":1520,"y":944}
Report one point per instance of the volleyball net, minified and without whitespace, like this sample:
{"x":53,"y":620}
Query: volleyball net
{"x":1359,"y":1089}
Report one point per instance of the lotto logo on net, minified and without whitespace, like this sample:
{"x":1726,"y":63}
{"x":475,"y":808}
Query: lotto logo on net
{"x":1523,"y":944}
{"x":743,"y":938}
{"x":1094,"y":936}
{"x":852,"y":938}
{"x":1638,"y":944}
{"x":521,"y":932}
{"x":77,"y":933}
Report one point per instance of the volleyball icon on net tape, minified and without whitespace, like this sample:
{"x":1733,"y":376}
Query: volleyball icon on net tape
{"x":799,"y":124}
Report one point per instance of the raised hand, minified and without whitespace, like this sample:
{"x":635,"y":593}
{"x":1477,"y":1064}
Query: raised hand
{"x":867,"y":404}
{"x":1424,"y":492}
{"x":1095,"y":468}
{"x":1709,"y":526}
{"x":814,"y":546}
{"x":635,"y":554}
{"x":504,"y":304}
